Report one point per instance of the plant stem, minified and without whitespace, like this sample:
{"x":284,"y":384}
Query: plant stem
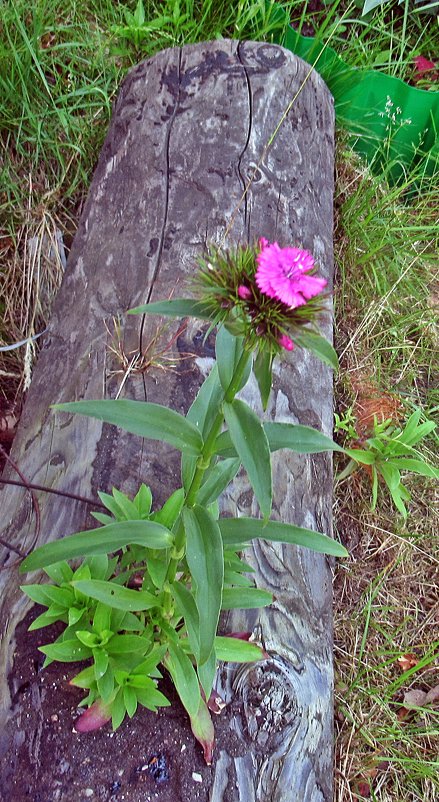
{"x":204,"y":461}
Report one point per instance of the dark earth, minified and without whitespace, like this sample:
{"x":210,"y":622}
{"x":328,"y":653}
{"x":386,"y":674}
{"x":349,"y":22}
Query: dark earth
{"x":152,"y":757}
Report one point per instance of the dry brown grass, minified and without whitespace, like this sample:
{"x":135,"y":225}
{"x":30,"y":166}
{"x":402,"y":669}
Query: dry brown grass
{"x":32,"y":272}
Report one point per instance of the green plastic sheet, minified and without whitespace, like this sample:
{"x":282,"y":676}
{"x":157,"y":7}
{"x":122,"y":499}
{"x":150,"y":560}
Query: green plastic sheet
{"x":395,"y":126}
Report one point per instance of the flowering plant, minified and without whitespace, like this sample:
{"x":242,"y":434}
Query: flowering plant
{"x":158,"y":598}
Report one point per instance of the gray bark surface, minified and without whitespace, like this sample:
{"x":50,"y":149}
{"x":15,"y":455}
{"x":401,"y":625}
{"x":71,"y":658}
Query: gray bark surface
{"x":188,"y":130}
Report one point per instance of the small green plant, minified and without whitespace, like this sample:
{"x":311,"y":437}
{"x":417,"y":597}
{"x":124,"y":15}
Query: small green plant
{"x":138,"y":30}
{"x":390,"y":451}
{"x":159,"y":598}
{"x":346,"y":424}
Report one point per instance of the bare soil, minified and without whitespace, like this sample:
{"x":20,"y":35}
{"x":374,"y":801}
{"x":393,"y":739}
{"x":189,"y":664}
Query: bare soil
{"x":150,"y":757}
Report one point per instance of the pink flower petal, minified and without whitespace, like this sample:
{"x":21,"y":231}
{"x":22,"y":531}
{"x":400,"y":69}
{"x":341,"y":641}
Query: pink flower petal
{"x":286,"y":342}
{"x":281,"y":274}
{"x":244,"y":293}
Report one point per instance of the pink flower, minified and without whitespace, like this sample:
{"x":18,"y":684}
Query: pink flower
{"x":286,"y":342}
{"x":244,"y":293}
{"x":281,"y":274}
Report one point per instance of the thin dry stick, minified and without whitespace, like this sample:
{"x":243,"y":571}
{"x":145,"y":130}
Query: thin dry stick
{"x":34,"y":504}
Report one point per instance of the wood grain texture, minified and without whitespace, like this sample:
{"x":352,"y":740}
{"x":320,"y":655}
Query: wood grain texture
{"x":188,"y":131}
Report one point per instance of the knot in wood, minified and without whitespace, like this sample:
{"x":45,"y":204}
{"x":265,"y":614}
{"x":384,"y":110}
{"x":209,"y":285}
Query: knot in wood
{"x":269,"y":701}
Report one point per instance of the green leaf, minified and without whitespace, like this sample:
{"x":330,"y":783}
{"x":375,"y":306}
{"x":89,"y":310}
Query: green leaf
{"x":106,"y":685}
{"x":129,"y":510}
{"x":130,"y":700}
{"x":67,"y":651}
{"x":184,"y":678}
{"x":116,"y":596}
{"x":416,"y":466}
{"x":100,"y":658}
{"x":103,"y":518}
{"x":74,"y":615}
{"x":151,"y":698}
{"x":143,"y":500}
{"x":148,"y":420}
{"x":298,"y":438}
{"x":158,"y":568}
{"x":201,"y":414}
{"x":232,"y":578}
{"x":245,"y":598}
{"x":374,"y":487}
{"x":127,"y":644}
{"x":397,"y":497}
{"x":236,"y":530}
{"x":249,"y":439}
{"x":229,"y":350}
{"x":49,"y":594}
{"x":139,"y":14}
{"x":85,"y":678}
{"x":47,"y":618}
{"x":118,"y":710}
{"x":90,"y":639}
{"x":357,"y":454}
{"x":235,"y":650}
{"x":217,"y":479}
{"x":59,"y":572}
{"x":263,"y":373}
{"x":177,"y":307}
{"x":390,"y":475}
{"x":188,"y":609}
{"x":202,"y":728}
{"x":102,"y":618}
{"x":206,"y":674}
{"x":151,"y":661}
{"x":104,"y":540}
{"x":204,"y":556}
{"x":318,"y":345}
{"x":171,"y":509}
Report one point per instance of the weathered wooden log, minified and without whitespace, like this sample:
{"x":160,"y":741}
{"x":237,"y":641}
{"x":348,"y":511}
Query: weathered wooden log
{"x":188,"y":131}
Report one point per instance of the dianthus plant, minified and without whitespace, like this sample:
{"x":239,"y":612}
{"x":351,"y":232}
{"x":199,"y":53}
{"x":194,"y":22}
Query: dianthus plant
{"x":153,"y":582}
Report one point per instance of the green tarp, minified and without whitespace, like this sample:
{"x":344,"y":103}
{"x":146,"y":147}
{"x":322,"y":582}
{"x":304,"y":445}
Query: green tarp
{"x":394,"y":125}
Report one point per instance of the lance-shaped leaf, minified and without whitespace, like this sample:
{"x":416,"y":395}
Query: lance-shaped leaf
{"x":218,"y":478}
{"x":206,"y":674}
{"x":229,"y":350}
{"x":319,"y":346}
{"x":116,"y":596}
{"x":236,"y":650}
{"x":175,"y":307}
{"x":187,"y":607}
{"x":236,"y":530}
{"x":142,"y":418}
{"x":262,"y":369}
{"x":202,"y":728}
{"x":204,"y":555}
{"x":104,"y":540}
{"x":66,"y":651}
{"x":201,"y":414}
{"x":294,"y":436}
{"x":416,"y":466}
{"x":184,"y":678}
{"x":245,"y":598}
{"x":251,"y":443}
{"x":298,"y":438}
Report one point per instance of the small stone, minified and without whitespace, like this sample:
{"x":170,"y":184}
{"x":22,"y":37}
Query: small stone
{"x":197,"y":778}
{"x":89,"y":792}
{"x":183,"y":747}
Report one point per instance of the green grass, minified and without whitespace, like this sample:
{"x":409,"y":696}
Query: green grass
{"x":60,"y":71}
